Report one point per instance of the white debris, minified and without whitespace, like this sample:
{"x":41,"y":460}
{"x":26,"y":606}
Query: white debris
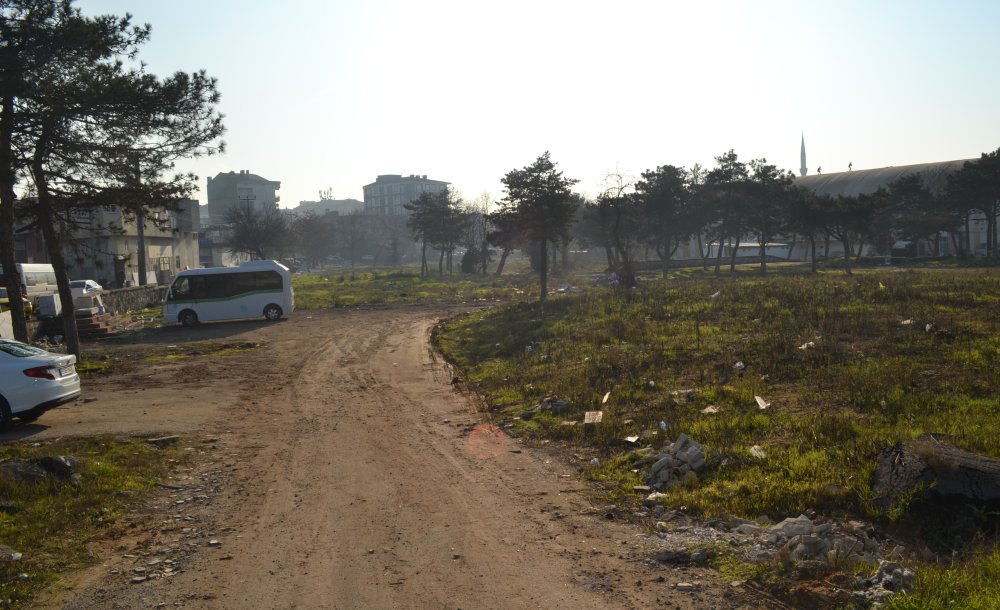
{"x":739,"y":366}
{"x":758,"y":452}
{"x":604,"y":400}
{"x":716,"y":295}
{"x":807,"y":345}
{"x":710,"y":409}
{"x":761,"y":403}
{"x":906,"y":322}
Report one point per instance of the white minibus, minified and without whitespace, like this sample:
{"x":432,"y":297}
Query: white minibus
{"x":255,"y":288}
{"x":37,"y":279}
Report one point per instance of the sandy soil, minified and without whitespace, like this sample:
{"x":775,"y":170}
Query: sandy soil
{"x":339,"y":467}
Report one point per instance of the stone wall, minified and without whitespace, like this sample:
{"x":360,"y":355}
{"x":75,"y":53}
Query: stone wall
{"x":133,"y":299}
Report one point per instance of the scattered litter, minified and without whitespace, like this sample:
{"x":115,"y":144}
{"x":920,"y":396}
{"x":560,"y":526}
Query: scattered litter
{"x":929,"y":328}
{"x":710,"y":409}
{"x":631,"y":439}
{"x":739,"y":366}
{"x":682,"y":395}
{"x":807,"y":345}
{"x":758,"y":452}
{"x":593,"y":417}
{"x":214,"y":542}
{"x":651,"y":384}
{"x":595,"y":462}
{"x":716,"y":295}
{"x":604,"y":400}
{"x":663,"y":426}
{"x":567,"y":423}
{"x":687,"y":586}
{"x":761,"y":403}
{"x":881,"y":286}
{"x":906,"y":322}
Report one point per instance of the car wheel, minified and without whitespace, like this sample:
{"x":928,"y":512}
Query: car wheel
{"x":272,"y":312}
{"x":5,"y":416}
{"x":188,"y":318}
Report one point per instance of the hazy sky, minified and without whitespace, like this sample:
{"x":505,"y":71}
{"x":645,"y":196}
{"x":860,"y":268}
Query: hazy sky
{"x":330,"y":93}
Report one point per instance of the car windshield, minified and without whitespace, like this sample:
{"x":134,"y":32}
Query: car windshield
{"x":20,"y":350}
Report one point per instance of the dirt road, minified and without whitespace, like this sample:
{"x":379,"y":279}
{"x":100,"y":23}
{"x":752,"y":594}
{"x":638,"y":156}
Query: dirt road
{"x":338,"y":467}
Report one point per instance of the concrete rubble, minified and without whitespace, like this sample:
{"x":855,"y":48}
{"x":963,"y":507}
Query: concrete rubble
{"x":678,"y":463}
{"x":805,"y":540}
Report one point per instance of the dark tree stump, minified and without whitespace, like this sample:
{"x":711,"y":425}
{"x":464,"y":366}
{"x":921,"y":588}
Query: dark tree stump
{"x":932,"y":467}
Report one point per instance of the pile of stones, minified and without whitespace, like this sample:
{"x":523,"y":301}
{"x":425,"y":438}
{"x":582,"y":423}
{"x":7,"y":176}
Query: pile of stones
{"x":678,"y":463}
{"x":802,"y":539}
{"x":891,"y":578}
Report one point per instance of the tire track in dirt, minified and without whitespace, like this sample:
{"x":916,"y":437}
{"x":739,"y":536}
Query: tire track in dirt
{"x":354,"y":485}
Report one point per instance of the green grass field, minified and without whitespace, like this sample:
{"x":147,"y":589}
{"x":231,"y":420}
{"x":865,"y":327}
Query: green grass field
{"x":344,"y":288}
{"x":849,"y":365}
{"x":51,"y":523}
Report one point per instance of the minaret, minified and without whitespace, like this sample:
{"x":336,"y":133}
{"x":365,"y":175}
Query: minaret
{"x":803,"y":170}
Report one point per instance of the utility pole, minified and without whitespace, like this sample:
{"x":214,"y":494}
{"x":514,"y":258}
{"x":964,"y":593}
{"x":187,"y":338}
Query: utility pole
{"x":140,"y":230}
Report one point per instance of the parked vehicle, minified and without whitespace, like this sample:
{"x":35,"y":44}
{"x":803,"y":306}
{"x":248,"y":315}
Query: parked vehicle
{"x":32,"y":381}
{"x":256,"y":288}
{"x":5,"y":302}
{"x":82,"y":288}
{"x":37,"y":279}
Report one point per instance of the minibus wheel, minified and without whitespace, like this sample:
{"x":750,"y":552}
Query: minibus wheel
{"x":188,"y":318}
{"x":272,"y":312}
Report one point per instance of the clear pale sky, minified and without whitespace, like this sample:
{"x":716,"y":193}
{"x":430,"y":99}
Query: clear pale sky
{"x":330,"y":93}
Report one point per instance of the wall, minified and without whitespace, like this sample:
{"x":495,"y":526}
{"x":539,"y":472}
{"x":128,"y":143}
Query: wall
{"x":132,"y":299}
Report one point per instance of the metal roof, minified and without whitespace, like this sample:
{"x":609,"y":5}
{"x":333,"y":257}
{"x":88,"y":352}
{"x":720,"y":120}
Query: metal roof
{"x":864,"y":181}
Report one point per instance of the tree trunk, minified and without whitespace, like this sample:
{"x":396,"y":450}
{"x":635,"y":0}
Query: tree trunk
{"x":812,"y":247}
{"x":484,"y":257}
{"x":503,"y":261}
{"x":967,"y":240}
{"x":846,"y":241}
{"x":140,"y":233}
{"x":441,"y":264}
{"x":934,"y":469}
{"x":795,"y":242}
{"x":7,"y":198}
{"x":718,"y":258}
{"x":763,"y":257}
{"x":732,"y":257}
{"x":861,"y":248}
{"x":703,"y":254}
{"x":543,"y":271}
{"x":665,"y":261}
{"x":424,"y":271}
{"x":46,"y":216}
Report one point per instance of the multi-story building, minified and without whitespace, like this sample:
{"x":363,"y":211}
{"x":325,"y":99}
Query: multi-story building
{"x":387,"y":195}
{"x":328,"y":206}
{"x":231,"y":189}
{"x":105,"y":244}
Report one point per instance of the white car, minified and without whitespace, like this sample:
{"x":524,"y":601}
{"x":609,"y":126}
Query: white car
{"x":82,"y":288}
{"x":32,"y":381}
